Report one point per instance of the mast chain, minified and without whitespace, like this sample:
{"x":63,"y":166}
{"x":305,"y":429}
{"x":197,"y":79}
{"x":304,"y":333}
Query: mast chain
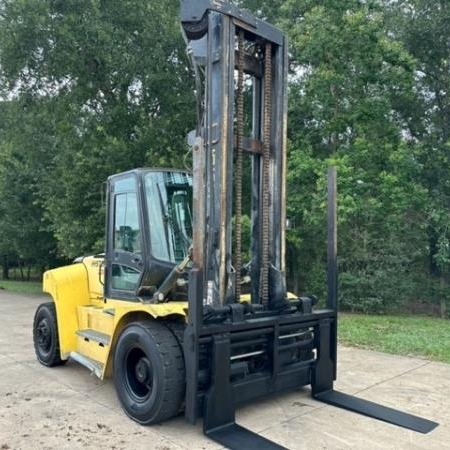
{"x":266,"y":176}
{"x":239,"y":162}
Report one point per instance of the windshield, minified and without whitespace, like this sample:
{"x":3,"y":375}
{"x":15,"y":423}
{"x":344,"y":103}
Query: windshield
{"x":169,"y":200}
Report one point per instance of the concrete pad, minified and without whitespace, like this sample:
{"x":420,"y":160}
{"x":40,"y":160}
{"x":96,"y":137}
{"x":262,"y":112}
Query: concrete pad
{"x":331,"y":428}
{"x":78,"y":423}
{"x":72,"y":375}
{"x":68,"y":408}
{"x":176,"y":430}
{"x":283,"y":407}
{"x":369,"y":368}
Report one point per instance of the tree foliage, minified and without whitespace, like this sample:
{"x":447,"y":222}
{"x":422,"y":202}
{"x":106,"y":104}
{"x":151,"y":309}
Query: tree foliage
{"x":94,"y":87}
{"x":106,"y":83}
{"x":344,"y":111}
{"x":424,"y":29}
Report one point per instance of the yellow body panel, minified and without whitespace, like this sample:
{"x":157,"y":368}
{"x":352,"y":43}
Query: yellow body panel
{"x":69,"y":288}
{"x":95,"y":269}
{"x":92,"y":350}
{"x":77,"y":291}
{"x":246,"y":298}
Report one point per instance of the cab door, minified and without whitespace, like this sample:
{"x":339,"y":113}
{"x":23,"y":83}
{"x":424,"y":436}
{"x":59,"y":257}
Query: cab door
{"x":124,"y":255}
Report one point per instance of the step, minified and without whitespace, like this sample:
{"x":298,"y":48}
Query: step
{"x":93,"y":344}
{"x":95,"y":336}
{"x":94,"y":366}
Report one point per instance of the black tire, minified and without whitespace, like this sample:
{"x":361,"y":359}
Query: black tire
{"x":196,"y":30}
{"x":45,"y":336}
{"x":149,"y":373}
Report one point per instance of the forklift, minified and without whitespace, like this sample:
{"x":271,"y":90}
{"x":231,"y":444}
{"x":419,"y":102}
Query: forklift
{"x":172,"y":312}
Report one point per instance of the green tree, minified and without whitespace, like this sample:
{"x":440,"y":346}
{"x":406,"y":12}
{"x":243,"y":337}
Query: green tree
{"x":24,"y":236}
{"x":348,"y":78}
{"x":111,"y":80}
{"x":424,"y":28}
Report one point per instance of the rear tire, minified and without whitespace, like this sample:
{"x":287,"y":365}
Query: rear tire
{"x":149,"y":373}
{"x":45,"y":336}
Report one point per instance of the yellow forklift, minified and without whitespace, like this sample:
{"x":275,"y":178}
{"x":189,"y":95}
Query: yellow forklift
{"x":171,"y":311}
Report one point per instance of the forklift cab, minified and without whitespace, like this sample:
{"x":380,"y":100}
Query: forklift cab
{"x":149,"y":230}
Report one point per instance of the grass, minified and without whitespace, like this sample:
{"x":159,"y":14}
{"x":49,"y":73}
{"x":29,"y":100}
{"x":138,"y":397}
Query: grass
{"x":21,"y":287}
{"x":401,"y":335}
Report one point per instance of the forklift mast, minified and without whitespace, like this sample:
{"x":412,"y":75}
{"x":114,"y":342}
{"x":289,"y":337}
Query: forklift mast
{"x":237,"y":54}
{"x":238,"y":350}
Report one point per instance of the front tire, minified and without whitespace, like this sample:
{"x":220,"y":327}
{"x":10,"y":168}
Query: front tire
{"x":45,"y":336}
{"x":149,"y":373}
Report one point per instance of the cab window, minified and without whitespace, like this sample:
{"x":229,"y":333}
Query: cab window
{"x":127,"y":233}
{"x":127,"y":242}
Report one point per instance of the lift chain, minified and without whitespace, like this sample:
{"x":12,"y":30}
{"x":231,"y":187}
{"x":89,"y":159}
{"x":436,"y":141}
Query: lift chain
{"x":239,"y":174}
{"x":266,"y":176}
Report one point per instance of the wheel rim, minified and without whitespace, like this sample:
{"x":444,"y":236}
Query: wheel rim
{"x":44,"y":336}
{"x":138,"y":374}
